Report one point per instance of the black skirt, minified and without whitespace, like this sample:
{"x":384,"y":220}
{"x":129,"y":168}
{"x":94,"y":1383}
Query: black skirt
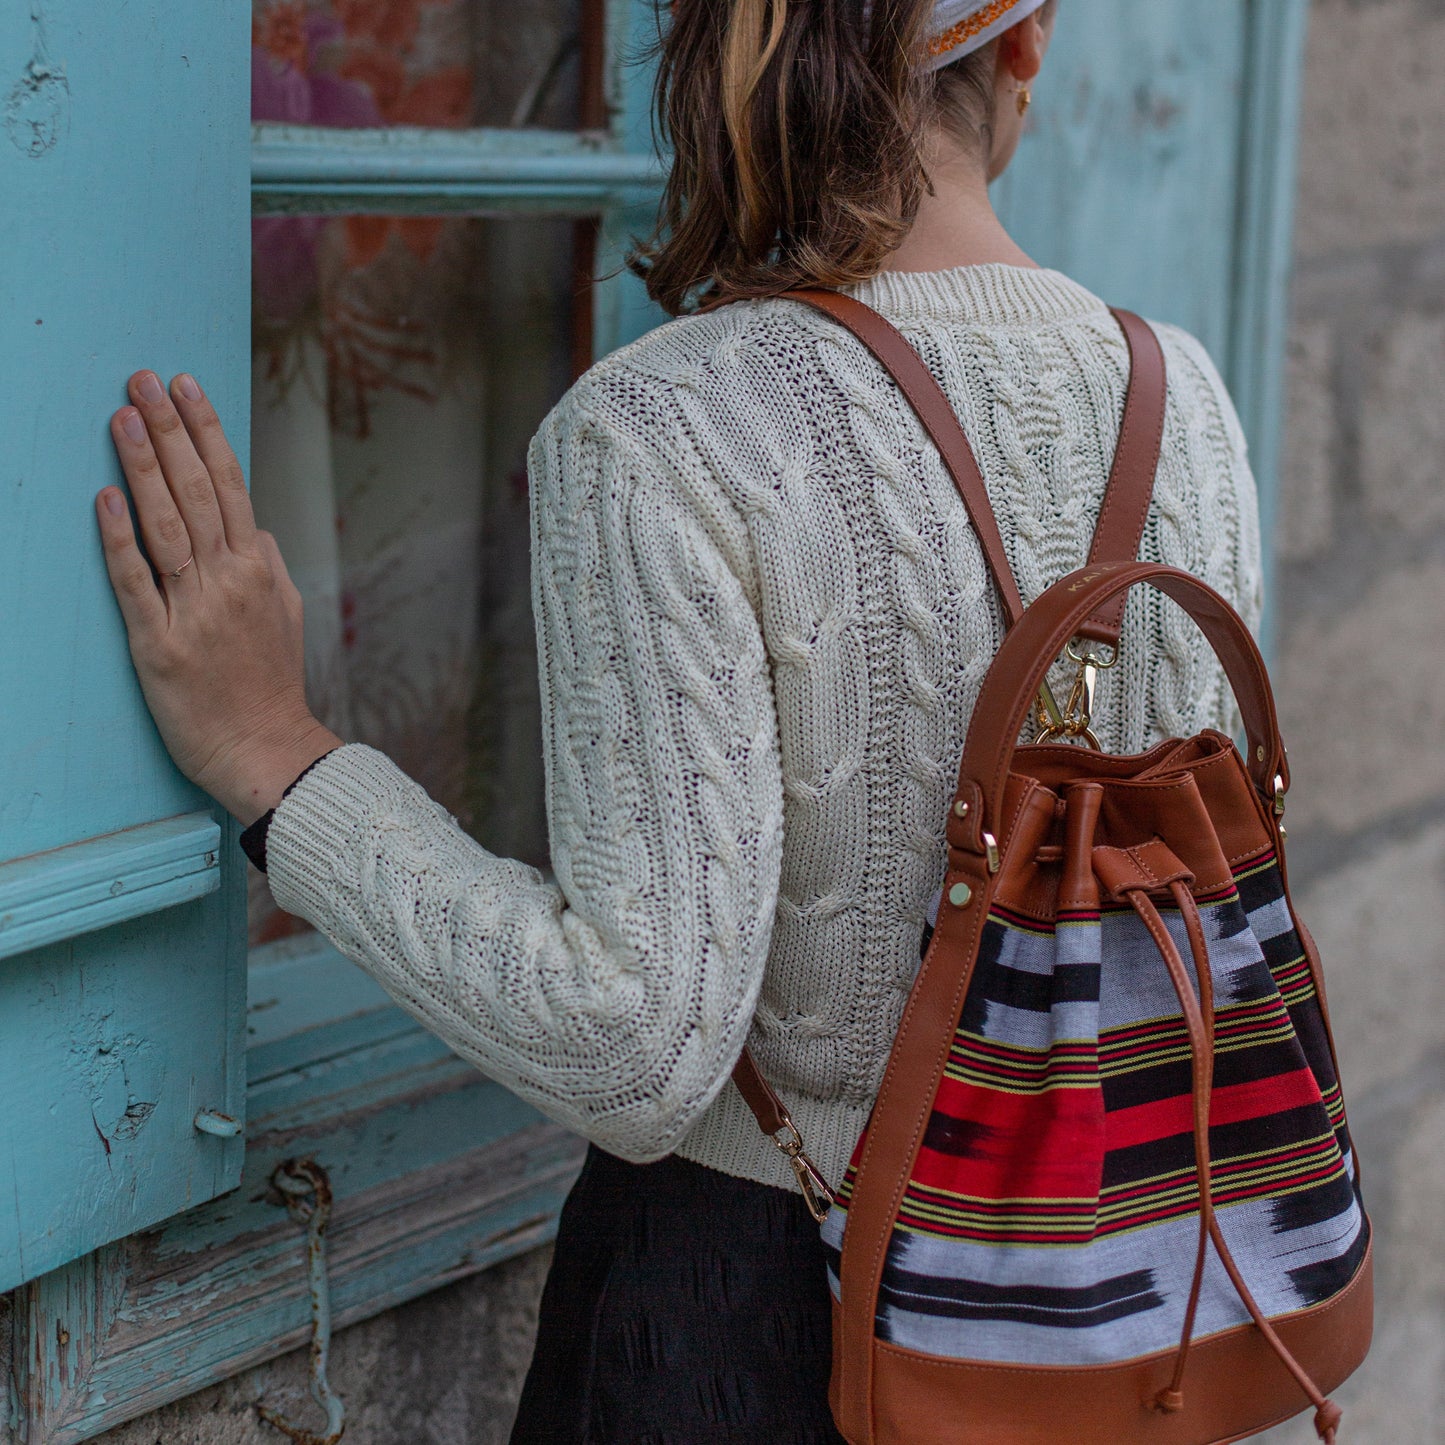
{"x":683,"y":1307}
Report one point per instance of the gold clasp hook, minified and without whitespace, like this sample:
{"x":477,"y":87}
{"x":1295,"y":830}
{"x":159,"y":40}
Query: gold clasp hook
{"x":817,"y":1193}
{"x":1078,"y":715}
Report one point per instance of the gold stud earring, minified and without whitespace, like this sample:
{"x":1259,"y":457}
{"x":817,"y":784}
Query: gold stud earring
{"x":1026,"y":98}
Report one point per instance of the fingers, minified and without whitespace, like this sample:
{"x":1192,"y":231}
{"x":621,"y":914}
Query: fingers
{"x":167,"y":539}
{"x":140,"y":600}
{"x":186,"y":476}
{"x":209,"y":439}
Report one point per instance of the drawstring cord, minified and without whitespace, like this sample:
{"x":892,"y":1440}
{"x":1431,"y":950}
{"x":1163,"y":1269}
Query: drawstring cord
{"x":1199,"y":1022}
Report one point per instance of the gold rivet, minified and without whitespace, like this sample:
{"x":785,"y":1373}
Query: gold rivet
{"x":960,"y":809}
{"x":1259,"y":752}
{"x":960,"y":895}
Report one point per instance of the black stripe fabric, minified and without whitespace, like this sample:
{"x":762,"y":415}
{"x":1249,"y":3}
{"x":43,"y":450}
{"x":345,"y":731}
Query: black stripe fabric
{"x":1319,"y":1282}
{"x":1226,"y":1141}
{"x":1059,"y":1307}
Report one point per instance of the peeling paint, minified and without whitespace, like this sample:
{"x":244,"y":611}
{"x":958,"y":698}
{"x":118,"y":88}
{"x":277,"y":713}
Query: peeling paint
{"x":124,"y":1074}
{"x":137,"y":1112}
{"x":37,"y":110}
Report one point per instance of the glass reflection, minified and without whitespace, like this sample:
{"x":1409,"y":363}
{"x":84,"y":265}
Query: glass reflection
{"x":400,"y":367}
{"x":438,"y":63}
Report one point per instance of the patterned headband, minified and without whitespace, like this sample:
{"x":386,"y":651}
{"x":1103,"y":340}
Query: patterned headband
{"x":962,"y":26}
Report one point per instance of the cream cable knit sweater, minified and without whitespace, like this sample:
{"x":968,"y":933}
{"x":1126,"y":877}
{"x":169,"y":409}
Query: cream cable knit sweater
{"x":763,"y":620}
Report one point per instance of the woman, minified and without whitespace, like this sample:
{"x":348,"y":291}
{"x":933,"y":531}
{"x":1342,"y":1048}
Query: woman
{"x":763,"y":620}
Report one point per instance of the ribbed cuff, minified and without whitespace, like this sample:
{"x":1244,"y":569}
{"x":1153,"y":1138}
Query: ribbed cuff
{"x":253,"y":839}
{"x":321,"y":821}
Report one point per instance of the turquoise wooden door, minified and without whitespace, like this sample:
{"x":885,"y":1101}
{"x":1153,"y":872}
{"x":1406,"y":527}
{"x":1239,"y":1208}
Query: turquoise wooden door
{"x":123,"y":227}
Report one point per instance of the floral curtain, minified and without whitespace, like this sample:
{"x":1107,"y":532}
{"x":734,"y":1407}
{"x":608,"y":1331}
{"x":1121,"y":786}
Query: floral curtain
{"x":388,"y":445}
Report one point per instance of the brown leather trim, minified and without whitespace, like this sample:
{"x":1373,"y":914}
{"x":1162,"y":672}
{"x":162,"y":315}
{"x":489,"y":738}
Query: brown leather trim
{"x":1075,"y":794}
{"x":1048,"y":854}
{"x":900,"y":1115}
{"x":1149,"y":865}
{"x":1078,"y":887}
{"x":1234,"y":1387}
{"x":1125,"y":507}
{"x":1136,"y":811}
{"x":1236,"y":811}
{"x":760,"y":1096}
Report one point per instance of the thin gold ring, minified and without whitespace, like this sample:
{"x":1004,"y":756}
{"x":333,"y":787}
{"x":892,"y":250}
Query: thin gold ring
{"x":183,"y":566}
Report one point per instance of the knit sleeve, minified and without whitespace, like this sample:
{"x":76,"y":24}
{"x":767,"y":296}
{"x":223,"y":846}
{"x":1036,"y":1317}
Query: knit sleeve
{"x":617,"y":999}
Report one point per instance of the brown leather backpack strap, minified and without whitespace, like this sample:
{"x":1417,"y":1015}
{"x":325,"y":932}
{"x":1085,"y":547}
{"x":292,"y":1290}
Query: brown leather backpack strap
{"x":775,"y":1121}
{"x":1116,"y":538}
{"x":1125,"y":506}
{"x":939,"y":420}
{"x":937,"y":416}
{"x":1136,"y":462}
{"x":759,"y":1095}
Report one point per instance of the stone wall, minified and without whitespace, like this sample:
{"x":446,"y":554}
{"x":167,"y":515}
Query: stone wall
{"x":1360,"y":607}
{"x":1360,"y":598}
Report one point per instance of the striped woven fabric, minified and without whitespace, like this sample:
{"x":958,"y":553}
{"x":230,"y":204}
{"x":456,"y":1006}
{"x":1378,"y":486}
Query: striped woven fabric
{"x":1052,"y":1216}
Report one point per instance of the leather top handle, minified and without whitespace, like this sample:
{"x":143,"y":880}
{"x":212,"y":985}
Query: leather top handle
{"x":1029,"y":650}
{"x":1125,"y":507}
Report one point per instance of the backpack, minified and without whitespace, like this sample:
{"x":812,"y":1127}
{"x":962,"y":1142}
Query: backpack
{"x":1106,"y":1193}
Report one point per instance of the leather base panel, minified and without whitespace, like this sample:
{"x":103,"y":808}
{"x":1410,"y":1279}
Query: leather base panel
{"x":1234,"y":1387}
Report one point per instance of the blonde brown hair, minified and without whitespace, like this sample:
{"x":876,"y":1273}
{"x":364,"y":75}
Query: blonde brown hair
{"x":794,"y":127}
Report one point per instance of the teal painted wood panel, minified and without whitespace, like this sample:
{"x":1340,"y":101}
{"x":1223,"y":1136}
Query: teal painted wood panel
{"x":1158,"y":169}
{"x":124,"y":172}
{"x":110,"y":1045}
{"x":103,"y":881}
{"x":1127,"y":176}
{"x":1254,"y":368}
{"x":622,"y":310}
{"x":437,"y":1173}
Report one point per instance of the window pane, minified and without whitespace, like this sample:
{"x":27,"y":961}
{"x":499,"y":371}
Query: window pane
{"x":401,"y":366}
{"x":450,"y":63}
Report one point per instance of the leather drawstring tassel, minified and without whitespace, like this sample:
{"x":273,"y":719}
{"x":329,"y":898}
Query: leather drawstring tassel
{"x":1199,"y":1022}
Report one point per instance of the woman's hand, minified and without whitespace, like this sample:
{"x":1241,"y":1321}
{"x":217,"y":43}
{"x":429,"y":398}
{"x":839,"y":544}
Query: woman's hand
{"x":216,"y":637}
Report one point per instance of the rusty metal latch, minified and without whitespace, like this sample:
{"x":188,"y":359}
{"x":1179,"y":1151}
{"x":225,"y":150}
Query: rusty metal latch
{"x":217,"y":1124}
{"x":307,"y":1190}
